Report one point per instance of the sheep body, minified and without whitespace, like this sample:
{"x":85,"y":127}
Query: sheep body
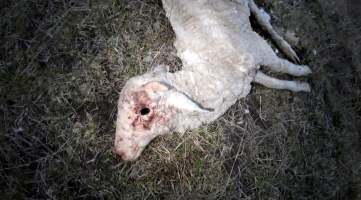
{"x":212,"y":40}
{"x":221,"y":56}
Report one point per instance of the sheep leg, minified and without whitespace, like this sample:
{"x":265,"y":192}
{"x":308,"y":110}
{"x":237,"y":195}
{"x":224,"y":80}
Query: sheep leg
{"x":275,"y":63}
{"x":271,"y":82}
{"x":264,"y":21}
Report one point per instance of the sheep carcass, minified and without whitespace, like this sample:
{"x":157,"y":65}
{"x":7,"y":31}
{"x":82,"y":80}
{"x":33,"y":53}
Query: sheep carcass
{"x":221,"y":56}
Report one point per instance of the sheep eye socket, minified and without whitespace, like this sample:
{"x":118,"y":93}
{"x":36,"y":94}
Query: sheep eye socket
{"x":144,"y":111}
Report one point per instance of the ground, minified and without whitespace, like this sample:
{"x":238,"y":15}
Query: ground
{"x":63,"y":63}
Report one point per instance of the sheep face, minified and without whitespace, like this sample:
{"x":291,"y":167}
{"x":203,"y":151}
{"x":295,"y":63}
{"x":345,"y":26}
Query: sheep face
{"x":140,"y":117}
{"x":147,"y":108}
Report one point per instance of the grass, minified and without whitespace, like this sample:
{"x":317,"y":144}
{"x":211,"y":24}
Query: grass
{"x":63,"y":63}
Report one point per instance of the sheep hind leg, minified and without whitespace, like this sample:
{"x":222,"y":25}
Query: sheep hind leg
{"x":271,"y":82}
{"x":264,"y":22}
{"x":274,"y":63}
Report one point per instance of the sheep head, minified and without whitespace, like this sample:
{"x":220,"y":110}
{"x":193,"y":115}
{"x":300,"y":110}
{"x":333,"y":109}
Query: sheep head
{"x":147,"y":108}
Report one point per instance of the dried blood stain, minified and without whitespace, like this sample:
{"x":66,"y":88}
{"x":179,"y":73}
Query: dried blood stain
{"x":145,"y":121}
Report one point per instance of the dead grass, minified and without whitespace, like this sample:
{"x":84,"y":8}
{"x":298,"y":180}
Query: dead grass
{"x":62,"y":64}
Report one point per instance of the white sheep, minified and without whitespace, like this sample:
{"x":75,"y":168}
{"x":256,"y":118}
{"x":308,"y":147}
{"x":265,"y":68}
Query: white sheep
{"x":221,"y":56}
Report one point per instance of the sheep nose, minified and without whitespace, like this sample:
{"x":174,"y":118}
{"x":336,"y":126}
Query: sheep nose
{"x":121,"y":154}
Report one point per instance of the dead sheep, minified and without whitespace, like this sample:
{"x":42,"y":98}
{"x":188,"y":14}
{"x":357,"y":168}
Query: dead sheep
{"x":221,"y":56}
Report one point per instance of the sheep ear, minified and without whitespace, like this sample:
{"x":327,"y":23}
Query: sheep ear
{"x":155,"y":87}
{"x":183,"y":102}
{"x":160,"y":68}
{"x":172,"y":97}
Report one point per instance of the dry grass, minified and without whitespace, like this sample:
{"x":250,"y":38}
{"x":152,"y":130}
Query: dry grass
{"x":62,"y":64}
